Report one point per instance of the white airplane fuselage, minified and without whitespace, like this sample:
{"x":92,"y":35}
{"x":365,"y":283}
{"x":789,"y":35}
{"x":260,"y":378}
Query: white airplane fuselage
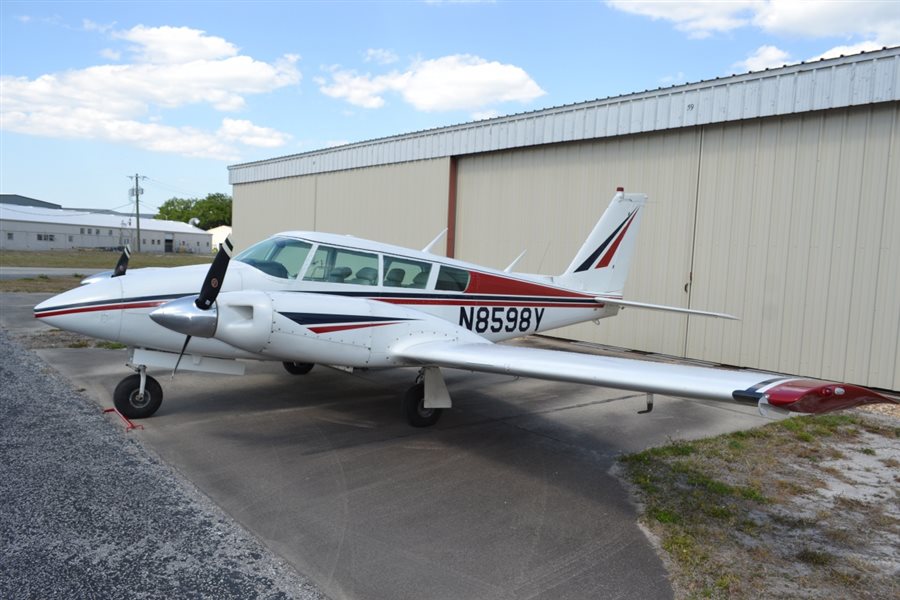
{"x":287,"y":317}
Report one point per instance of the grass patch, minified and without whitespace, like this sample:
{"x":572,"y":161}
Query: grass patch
{"x":818,"y":558}
{"x":98,"y":259}
{"x":718,"y":504}
{"x":44,"y":285}
{"x":110,"y":345}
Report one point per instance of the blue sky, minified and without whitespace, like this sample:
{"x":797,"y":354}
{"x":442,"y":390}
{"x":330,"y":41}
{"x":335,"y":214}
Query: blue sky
{"x":93,"y":92}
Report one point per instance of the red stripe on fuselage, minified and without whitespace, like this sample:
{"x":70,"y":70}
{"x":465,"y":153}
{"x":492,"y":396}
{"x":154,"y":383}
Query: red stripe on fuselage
{"x":463,"y":301}
{"x":332,"y":328}
{"x":486,"y":283}
{"x":86,"y":309}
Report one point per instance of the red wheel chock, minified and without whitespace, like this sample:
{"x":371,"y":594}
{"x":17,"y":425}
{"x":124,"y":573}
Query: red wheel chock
{"x":128,"y":424}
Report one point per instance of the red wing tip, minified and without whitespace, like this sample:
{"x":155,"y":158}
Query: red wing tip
{"x":816,"y":397}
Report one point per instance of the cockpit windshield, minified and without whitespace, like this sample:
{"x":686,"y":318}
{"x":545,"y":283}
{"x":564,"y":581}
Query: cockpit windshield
{"x":279,"y":256}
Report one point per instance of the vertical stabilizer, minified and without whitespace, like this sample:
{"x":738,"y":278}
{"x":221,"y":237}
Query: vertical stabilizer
{"x":601,"y":264}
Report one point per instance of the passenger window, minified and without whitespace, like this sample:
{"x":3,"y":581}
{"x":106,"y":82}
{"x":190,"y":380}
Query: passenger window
{"x":454,"y":280}
{"x":278,"y":257}
{"x":400,"y":272}
{"x":336,"y":265}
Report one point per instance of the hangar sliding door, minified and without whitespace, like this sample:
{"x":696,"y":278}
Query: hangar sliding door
{"x":547,"y":199}
{"x":798,"y":232}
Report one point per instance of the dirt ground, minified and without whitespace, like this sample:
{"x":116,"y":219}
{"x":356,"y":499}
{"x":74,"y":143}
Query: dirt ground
{"x":808,"y":507}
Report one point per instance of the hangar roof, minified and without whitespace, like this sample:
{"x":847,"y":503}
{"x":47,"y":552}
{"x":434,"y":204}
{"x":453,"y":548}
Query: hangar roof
{"x":842,"y":82}
{"x":33,"y":214}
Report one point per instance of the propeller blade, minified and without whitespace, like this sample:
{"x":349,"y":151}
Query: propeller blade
{"x":122,"y":265}
{"x":178,"y":362}
{"x":215,"y":276}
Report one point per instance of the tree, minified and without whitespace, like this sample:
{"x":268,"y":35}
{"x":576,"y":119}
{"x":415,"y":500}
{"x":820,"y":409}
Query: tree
{"x":212,"y":211}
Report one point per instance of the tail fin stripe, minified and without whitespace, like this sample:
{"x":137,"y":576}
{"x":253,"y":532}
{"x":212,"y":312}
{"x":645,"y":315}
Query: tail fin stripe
{"x":607,"y":258}
{"x":596,"y":253}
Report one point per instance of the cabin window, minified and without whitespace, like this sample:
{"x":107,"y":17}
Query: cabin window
{"x":337,"y":265}
{"x":402,"y":272}
{"x":9,"y":235}
{"x":452,"y":279}
{"x":278,"y":256}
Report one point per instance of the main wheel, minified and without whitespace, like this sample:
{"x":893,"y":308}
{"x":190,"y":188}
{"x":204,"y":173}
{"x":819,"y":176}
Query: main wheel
{"x":414,"y":407}
{"x":131,"y":403}
{"x":298,"y":368}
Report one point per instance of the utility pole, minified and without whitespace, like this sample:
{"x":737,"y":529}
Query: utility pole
{"x":136,"y":191}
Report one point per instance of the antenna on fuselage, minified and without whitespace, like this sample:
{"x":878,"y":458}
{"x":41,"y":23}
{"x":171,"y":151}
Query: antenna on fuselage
{"x":514,"y":262}
{"x":435,"y":241}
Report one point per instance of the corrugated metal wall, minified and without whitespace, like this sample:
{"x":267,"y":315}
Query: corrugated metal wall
{"x":798,"y":232}
{"x":547,"y":199}
{"x":855,"y":80}
{"x":793,"y":223}
{"x":402,"y":204}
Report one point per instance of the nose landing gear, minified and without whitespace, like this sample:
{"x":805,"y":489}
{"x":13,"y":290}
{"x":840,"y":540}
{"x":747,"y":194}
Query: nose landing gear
{"x":138,"y":396}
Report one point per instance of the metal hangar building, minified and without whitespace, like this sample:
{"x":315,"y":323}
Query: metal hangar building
{"x":774,"y":195}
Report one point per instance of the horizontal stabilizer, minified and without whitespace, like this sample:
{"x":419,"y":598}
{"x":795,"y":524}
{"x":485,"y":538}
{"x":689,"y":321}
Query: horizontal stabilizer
{"x":676,"y":309}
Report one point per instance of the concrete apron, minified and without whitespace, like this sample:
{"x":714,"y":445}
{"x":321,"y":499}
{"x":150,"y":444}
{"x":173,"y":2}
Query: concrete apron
{"x":509,"y":496}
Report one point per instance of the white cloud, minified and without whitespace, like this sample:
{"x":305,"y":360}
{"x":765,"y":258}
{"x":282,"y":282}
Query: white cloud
{"x":358,"y":90}
{"x":245,"y":132}
{"x":672,"y":79}
{"x":176,"y":67}
{"x":765,"y":57}
{"x":483,"y":115}
{"x":869,"y":19}
{"x":456,"y":82}
{"x":111,"y":54}
{"x":380,"y":56}
{"x":865,"y":24}
{"x":697,"y":19}
{"x":175,"y":45}
{"x":847,"y":50}
{"x":89,"y":25}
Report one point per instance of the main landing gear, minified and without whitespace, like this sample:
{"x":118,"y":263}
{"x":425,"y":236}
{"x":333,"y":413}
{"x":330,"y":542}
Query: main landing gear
{"x":138,"y":396}
{"x":414,"y":407}
{"x":298,"y":368}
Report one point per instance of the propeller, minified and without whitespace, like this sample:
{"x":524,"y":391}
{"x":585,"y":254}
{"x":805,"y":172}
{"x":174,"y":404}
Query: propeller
{"x":214,"y":277}
{"x":122,"y":265}
{"x":197,"y":316}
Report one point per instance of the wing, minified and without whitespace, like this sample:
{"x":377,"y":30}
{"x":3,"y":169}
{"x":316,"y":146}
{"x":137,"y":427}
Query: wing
{"x":787,"y":393}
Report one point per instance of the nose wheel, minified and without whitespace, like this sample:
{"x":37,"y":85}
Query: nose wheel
{"x":137,"y":401}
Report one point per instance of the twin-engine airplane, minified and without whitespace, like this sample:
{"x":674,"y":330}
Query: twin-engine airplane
{"x":304,"y":298}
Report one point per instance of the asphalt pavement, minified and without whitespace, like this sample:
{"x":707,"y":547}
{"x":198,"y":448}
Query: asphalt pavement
{"x":88,"y":511}
{"x":509,"y":496}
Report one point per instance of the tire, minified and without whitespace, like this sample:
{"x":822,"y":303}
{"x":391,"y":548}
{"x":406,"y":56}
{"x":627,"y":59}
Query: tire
{"x":414,"y":408}
{"x":298,"y":368}
{"x":131,"y":404}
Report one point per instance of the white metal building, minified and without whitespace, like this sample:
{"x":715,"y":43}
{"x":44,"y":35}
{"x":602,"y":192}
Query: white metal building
{"x":775,"y":195}
{"x":35,"y":228}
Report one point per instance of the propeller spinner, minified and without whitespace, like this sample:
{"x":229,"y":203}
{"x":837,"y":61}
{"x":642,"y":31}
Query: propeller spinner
{"x":197,"y":315}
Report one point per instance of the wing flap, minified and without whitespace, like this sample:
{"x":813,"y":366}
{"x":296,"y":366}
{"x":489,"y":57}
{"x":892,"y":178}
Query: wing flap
{"x":789,"y":393}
